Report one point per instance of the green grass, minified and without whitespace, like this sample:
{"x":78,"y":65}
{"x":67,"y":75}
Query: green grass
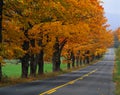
{"x":11,"y":70}
{"x":14,"y":70}
{"x":116,"y":75}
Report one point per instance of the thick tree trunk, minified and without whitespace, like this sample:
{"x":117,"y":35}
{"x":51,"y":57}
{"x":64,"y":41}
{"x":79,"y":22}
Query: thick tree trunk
{"x":25,"y":65}
{"x":40,"y":57}
{"x":73,"y":59}
{"x":1,"y":5}
{"x":33,"y":65}
{"x":56,"y":56}
{"x":25,"y":60}
{"x":41,"y":62}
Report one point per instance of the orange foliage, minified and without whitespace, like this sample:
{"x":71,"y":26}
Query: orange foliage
{"x":80,"y":22}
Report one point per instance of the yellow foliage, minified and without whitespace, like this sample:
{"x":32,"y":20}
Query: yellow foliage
{"x":80,"y":22}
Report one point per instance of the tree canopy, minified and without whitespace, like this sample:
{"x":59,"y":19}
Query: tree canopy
{"x":50,"y":28}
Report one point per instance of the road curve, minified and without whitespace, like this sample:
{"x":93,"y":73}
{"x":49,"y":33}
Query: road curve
{"x":93,"y":80}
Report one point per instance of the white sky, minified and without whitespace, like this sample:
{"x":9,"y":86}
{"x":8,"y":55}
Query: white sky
{"x":112,"y":12}
{"x":112,"y":6}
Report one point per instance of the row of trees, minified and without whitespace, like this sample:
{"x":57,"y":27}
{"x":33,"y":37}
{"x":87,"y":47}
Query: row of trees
{"x":35,"y":31}
{"x":117,"y":37}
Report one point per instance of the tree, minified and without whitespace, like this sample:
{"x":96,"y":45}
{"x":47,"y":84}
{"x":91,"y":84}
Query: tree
{"x":33,"y":17}
{"x":52,"y":28}
{"x":1,"y":8}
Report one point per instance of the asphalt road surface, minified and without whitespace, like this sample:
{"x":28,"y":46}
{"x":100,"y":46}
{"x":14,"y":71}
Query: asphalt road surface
{"x":93,"y":80}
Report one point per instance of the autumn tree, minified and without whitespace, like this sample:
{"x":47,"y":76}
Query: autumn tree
{"x":1,"y":5}
{"x":74,"y":12}
{"x":9,"y":47}
{"x":92,"y":38}
{"x":33,"y":19}
{"x":36,"y":30}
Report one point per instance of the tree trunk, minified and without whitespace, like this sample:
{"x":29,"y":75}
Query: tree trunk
{"x":68,"y":65}
{"x":33,"y":65}
{"x":77,"y":58}
{"x":56,"y":60}
{"x":80,"y":60}
{"x":87,"y":56}
{"x":68,"y":59}
{"x":1,"y":5}
{"x":84,"y":59}
{"x":25,"y":60}
{"x":73,"y":59}
{"x":41,"y":62}
{"x":56,"y":56}
{"x":25,"y":65}
{"x":88,"y":60}
{"x":77,"y":61}
{"x":25,"y":47}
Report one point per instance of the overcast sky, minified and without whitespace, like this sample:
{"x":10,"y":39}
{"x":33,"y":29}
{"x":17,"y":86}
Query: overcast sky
{"x":112,"y":12}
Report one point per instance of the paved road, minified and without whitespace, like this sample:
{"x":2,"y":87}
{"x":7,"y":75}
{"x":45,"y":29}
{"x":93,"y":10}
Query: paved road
{"x":93,"y":80}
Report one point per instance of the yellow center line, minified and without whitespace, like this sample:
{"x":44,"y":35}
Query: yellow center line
{"x":68,"y":83}
{"x":51,"y":91}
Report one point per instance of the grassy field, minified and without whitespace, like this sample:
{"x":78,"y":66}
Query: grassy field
{"x":116,"y":76}
{"x":14,"y":70}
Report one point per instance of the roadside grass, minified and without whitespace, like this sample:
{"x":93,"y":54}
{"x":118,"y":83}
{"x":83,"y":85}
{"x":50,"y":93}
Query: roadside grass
{"x":48,"y":74}
{"x":116,"y":73}
{"x":14,"y":70}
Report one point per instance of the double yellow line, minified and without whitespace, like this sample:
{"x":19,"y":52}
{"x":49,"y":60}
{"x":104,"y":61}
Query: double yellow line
{"x":68,"y":83}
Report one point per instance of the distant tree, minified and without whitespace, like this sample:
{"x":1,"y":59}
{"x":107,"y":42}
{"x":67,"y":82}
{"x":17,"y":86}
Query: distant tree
{"x":117,"y":37}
